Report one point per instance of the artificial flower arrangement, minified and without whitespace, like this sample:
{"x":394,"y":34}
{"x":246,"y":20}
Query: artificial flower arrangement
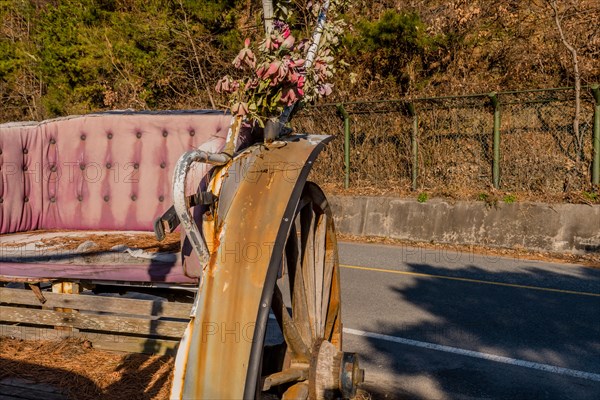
{"x":279,"y":73}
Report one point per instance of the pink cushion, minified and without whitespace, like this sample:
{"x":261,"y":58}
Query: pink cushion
{"x":20,"y":189}
{"x":108,"y":171}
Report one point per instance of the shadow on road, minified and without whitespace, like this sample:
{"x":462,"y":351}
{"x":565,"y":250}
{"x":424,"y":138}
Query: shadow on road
{"x":559,"y":329}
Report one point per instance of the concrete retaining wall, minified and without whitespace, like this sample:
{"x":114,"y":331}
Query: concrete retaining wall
{"x":549,"y":227}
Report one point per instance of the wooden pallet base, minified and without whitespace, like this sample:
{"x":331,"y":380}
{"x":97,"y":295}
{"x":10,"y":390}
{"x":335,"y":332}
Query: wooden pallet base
{"x":107,"y":323}
{"x":21,"y":389}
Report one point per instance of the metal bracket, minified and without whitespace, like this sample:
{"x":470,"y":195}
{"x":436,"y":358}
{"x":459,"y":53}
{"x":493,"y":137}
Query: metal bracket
{"x":169,"y":221}
{"x":181,"y":203}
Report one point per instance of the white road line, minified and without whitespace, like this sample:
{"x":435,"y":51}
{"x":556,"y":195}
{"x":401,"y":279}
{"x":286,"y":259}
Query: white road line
{"x":475,"y":354}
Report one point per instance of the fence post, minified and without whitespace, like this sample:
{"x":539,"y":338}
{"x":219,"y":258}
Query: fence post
{"x":414,"y":144}
{"x":496,"y":162}
{"x":346,"y":119}
{"x":596,"y":158}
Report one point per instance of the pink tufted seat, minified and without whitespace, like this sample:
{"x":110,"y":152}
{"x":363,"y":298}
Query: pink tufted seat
{"x":109,"y":171}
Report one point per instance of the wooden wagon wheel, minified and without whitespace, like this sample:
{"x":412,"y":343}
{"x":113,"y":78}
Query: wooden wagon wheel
{"x":309,"y":362}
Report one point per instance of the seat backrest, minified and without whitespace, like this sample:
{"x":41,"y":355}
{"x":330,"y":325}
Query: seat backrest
{"x":108,"y":171}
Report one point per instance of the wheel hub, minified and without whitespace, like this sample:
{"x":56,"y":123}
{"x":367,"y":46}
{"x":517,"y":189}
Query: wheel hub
{"x":333,"y":373}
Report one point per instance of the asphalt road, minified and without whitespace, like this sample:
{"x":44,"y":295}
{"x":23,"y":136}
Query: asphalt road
{"x":437,"y":324}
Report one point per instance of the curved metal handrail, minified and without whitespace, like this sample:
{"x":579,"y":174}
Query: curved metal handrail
{"x":180,"y":201}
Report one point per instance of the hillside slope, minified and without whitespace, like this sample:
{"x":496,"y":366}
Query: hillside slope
{"x":68,"y":57}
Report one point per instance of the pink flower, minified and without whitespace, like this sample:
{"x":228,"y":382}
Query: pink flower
{"x":227,"y":85}
{"x":281,"y":74}
{"x":297,"y":63}
{"x":289,"y":96}
{"x":251,"y":84}
{"x":324,"y":89}
{"x":288,"y":43}
{"x":276,"y":71}
{"x":272,"y":70}
{"x":271,"y":43}
{"x":261,"y":70}
{"x":245,"y":56}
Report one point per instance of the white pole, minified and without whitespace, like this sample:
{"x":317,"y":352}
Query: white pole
{"x":316,"y":39}
{"x":268,"y":15}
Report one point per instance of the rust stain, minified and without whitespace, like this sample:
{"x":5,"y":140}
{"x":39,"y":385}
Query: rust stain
{"x":232,"y":284}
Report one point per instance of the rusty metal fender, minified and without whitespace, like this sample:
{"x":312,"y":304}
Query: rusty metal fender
{"x":258,"y":191}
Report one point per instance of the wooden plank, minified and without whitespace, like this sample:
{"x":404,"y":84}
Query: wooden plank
{"x":101,"y":341}
{"x":64,"y":288}
{"x":27,"y":384}
{"x":12,"y":388}
{"x":31,"y":333}
{"x":17,"y":393}
{"x":98,"y":303}
{"x":108,"y":342}
{"x":110,"y":323}
{"x":130,"y":344}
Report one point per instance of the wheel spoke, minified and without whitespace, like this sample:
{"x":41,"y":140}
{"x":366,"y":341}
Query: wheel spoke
{"x":292,"y":256}
{"x":332,"y":324}
{"x":290,"y":332}
{"x":297,"y":292}
{"x":297,"y":392}
{"x":320,"y":255}
{"x":330,"y":260}
{"x":307,"y":223}
{"x":286,"y":376}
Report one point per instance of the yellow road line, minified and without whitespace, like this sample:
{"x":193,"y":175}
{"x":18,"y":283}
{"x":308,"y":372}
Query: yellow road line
{"x":452,"y":278}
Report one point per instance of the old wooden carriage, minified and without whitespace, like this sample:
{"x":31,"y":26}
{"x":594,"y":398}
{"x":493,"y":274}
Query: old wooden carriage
{"x":246,"y":291}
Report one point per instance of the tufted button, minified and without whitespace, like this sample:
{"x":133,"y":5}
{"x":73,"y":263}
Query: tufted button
{"x":133,"y":197}
{"x":82,"y":137}
{"x":108,"y":165}
{"x":161,"y":198}
{"x":52,"y":141}
{"x":165,"y":133}
{"x":109,"y":136}
{"x":192,"y":132}
{"x":52,"y":199}
{"x":24,"y":167}
{"x":80,"y":198}
{"x":106,"y":198}
{"x":82,"y":166}
{"x":138,"y":134}
{"x":26,"y":199}
{"x":136,"y":166}
{"x":163,"y":165}
{"x":53,"y":168}
{"x":25,"y":151}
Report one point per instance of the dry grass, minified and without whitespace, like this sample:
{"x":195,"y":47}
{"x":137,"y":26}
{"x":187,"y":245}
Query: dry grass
{"x":82,"y":372}
{"x":394,"y":189}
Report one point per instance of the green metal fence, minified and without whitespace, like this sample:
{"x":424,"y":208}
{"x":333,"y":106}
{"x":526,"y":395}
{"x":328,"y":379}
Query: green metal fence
{"x":516,"y":141}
